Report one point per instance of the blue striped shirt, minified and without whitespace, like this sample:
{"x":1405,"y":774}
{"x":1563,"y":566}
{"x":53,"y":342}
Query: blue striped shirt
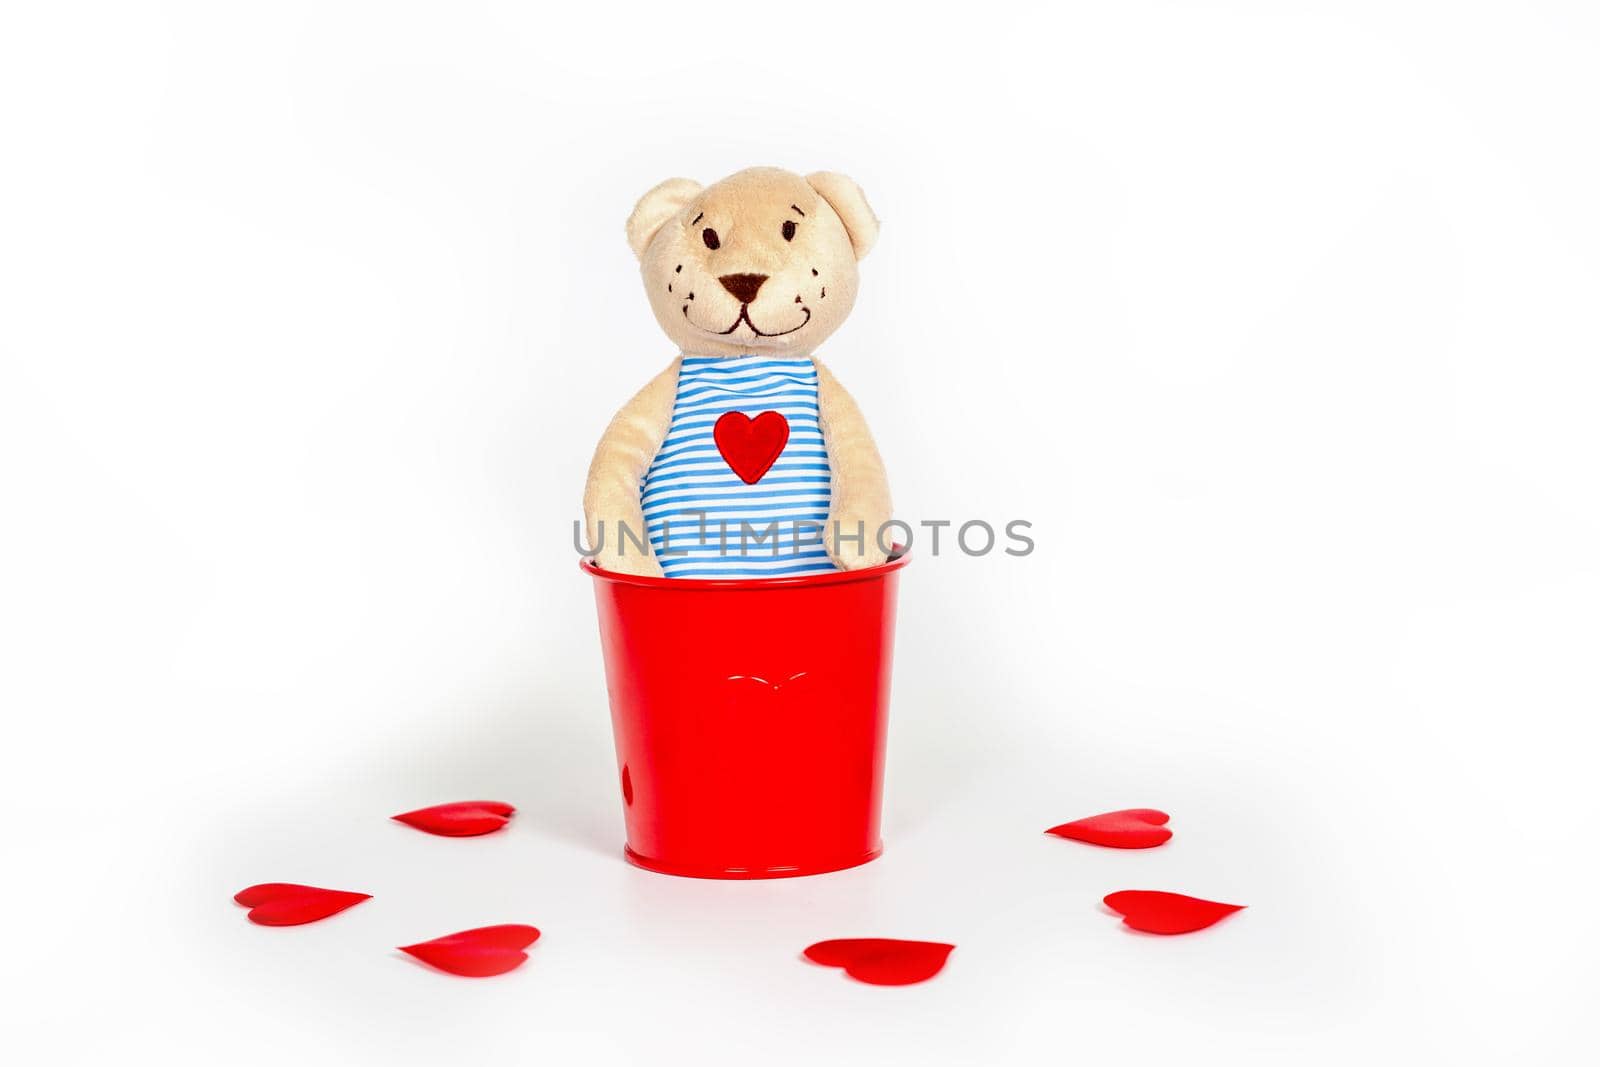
{"x":784,"y":509}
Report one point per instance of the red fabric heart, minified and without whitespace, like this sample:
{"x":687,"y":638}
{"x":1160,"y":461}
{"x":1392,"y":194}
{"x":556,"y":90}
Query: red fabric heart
{"x":465,"y":818}
{"x":751,"y":446}
{"x":1130,"y":828}
{"x":480,"y":953}
{"x":1156,"y":912}
{"x":287,"y":904}
{"x":882,"y":960}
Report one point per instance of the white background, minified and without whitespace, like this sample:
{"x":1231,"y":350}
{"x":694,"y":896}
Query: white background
{"x":1280,"y":326}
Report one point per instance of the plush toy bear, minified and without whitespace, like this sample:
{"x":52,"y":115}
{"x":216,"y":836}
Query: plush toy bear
{"x":745,"y":458}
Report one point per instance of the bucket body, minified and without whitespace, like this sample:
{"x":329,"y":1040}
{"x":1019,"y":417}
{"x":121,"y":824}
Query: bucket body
{"x":750,"y":718}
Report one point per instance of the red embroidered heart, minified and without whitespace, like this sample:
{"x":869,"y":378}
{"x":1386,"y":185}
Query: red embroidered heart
{"x":1156,"y":912}
{"x":751,"y":446}
{"x":1131,"y":828}
{"x":480,"y":953}
{"x":287,"y":904}
{"x":882,"y":960}
{"x":465,"y":818}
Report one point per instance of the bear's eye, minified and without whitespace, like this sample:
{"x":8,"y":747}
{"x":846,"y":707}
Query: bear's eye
{"x":788,"y":230}
{"x":709,"y":236}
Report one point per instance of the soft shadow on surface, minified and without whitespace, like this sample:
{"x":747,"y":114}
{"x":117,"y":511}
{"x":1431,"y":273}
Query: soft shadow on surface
{"x":549,"y":753}
{"x":942,"y":735}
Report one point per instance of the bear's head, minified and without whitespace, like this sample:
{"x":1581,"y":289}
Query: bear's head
{"x":762,"y":260}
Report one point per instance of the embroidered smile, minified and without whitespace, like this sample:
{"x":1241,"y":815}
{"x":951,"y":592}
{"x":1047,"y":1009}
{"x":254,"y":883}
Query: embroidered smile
{"x":744,"y":317}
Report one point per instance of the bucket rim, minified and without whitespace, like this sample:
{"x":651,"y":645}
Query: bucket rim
{"x":897,"y":559}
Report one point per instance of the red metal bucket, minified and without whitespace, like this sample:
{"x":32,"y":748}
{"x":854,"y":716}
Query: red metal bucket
{"x":750,"y":717}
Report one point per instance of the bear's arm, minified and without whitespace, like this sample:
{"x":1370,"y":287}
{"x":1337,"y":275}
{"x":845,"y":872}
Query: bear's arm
{"x":624,"y":453}
{"x":860,"y":486}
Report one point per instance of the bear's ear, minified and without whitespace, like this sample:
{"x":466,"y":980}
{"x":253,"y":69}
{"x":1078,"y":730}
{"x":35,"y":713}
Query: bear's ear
{"x":655,"y":208}
{"x":850,"y":204}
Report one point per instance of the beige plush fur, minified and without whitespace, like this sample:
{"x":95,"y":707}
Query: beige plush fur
{"x":810,"y":287}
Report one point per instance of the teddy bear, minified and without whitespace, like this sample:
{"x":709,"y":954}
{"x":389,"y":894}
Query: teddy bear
{"x":745,"y":457}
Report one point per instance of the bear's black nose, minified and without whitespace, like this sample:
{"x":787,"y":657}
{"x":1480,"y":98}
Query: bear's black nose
{"x":744,"y":287}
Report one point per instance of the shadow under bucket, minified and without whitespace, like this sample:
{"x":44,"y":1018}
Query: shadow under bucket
{"x":750,"y":717}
